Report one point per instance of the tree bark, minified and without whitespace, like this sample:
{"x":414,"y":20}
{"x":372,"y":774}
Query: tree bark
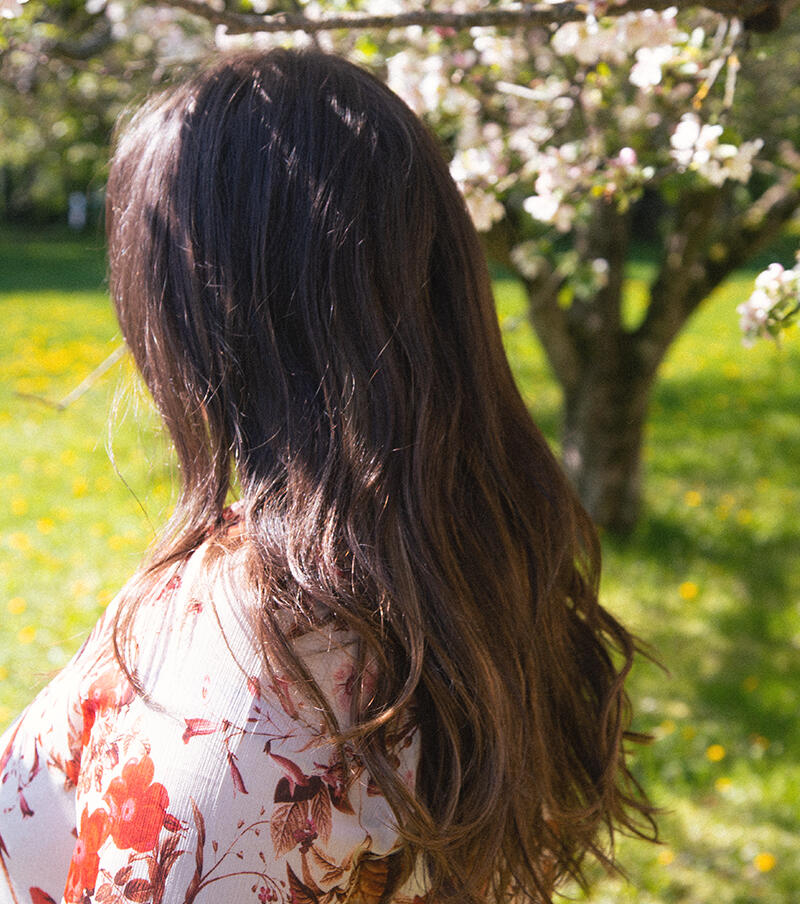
{"x":604,"y":421}
{"x":606,"y":371}
{"x":606,"y":406}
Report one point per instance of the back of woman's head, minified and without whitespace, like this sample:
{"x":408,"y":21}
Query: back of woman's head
{"x":305,"y":296}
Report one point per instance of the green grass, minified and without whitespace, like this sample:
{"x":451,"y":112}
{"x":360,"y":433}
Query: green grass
{"x":70,"y":529}
{"x":710,"y":579}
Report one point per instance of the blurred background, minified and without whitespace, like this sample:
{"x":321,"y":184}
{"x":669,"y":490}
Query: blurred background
{"x":632,"y":178}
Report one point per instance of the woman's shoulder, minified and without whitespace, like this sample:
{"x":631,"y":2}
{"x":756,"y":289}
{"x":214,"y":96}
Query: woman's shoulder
{"x":233,"y":768}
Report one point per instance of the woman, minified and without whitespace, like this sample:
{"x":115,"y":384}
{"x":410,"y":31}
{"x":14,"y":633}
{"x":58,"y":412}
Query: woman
{"x":383,"y":673}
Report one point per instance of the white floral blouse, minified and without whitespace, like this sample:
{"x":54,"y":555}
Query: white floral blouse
{"x":220,"y":786}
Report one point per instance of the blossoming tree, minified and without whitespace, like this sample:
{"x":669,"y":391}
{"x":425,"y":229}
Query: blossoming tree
{"x":571,"y":127}
{"x":555,"y":140}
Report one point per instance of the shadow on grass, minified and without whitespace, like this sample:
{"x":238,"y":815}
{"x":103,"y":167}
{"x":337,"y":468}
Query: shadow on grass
{"x":757,"y":638}
{"x":51,"y":259}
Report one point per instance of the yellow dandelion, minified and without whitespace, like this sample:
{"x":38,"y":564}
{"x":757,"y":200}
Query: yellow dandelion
{"x":104,"y":597}
{"x":688,"y":732}
{"x":45,"y":525}
{"x":723,"y":783}
{"x":750,"y":683}
{"x":5,"y":713}
{"x":3,"y":673}
{"x":68,"y":457}
{"x":665,"y":857}
{"x":715,"y":753}
{"x":764,"y":862}
{"x":80,"y":486}
{"x":692,"y":498}
{"x":16,"y":605}
{"x":116,"y":542}
{"x":79,"y":588}
{"x":19,"y":505}
{"x":731,"y":370}
{"x":57,"y":359}
{"x":744,"y":517}
{"x":667,"y":727}
{"x":102,"y":484}
{"x":20,"y":542}
{"x":688,"y":590}
{"x":27,"y":634}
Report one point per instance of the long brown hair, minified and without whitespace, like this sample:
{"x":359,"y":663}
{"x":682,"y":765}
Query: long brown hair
{"x":307,"y":300}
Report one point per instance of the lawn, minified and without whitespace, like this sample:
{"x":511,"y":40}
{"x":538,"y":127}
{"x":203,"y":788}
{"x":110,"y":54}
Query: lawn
{"x":710,"y":579}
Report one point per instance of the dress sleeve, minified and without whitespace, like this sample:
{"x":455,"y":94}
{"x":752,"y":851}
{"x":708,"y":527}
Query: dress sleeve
{"x":221,"y":782}
{"x":39,"y":765}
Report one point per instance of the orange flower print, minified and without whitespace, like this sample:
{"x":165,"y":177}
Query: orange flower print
{"x":108,"y":691}
{"x":138,"y":806}
{"x":85,"y":861}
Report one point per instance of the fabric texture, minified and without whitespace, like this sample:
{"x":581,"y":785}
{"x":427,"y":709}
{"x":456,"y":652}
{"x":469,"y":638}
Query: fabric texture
{"x":221,"y":784}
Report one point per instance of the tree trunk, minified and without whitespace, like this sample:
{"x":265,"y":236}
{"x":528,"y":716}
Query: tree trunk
{"x":606,"y":371}
{"x":605,"y":401}
{"x":604,"y":418}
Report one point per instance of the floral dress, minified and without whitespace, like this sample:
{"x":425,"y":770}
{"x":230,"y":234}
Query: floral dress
{"x":219,"y":784}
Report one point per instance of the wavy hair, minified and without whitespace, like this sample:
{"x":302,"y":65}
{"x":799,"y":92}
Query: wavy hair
{"x":308,"y":302}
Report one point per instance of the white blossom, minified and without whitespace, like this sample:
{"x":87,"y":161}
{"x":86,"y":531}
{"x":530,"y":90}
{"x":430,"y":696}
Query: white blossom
{"x":527,"y":258}
{"x":627,"y":157}
{"x":600,"y":272}
{"x":472,"y":163}
{"x":647,"y":70}
{"x":773,"y":305}
{"x":484,"y":208}
{"x":696,"y":146}
{"x":421,"y":82}
{"x":10,"y":9}
{"x":542,"y":207}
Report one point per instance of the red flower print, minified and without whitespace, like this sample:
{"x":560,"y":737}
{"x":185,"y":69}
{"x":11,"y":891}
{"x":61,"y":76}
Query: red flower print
{"x":40,"y":897}
{"x":72,"y":770}
{"x":200,"y":727}
{"x":172,"y":584}
{"x":108,"y":691}
{"x":24,"y":806}
{"x":138,"y":806}
{"x":85,"y":860}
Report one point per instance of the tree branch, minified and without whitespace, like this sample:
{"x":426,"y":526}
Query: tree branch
{"x":523,"y":15}
{"x":679,"y":290}
{"x":682,"y":264}
{"x":752,"y":230}
{"x":85,"y":46}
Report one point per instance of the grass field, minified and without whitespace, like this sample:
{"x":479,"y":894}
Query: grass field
{"x":711,"y":578}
